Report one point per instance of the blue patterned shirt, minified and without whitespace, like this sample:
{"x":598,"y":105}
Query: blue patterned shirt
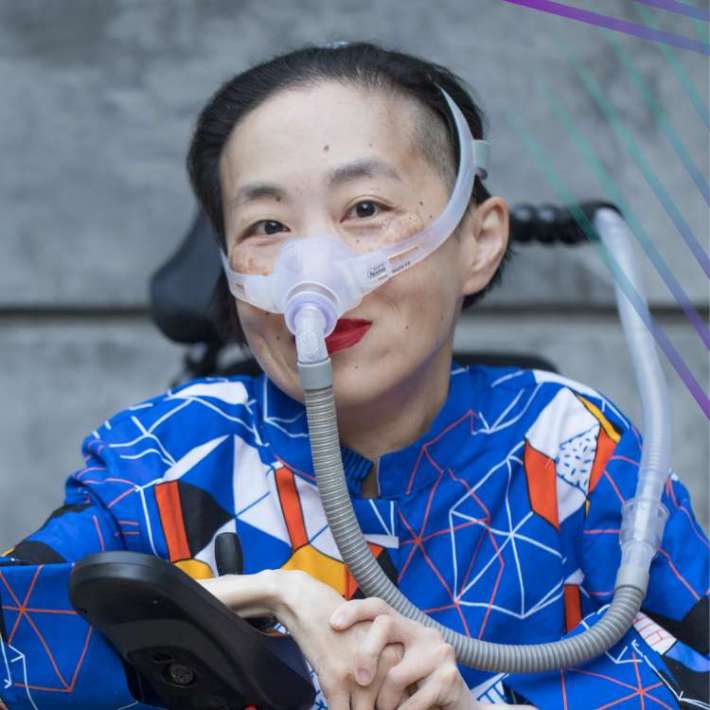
{"x":501,"y":521}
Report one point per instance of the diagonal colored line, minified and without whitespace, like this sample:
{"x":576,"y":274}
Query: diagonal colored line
{"x":701,"y":29}
{"x":656,"y":331}
{"x":662,"y":118}
{"x":662,"y":195}
{"x":612,"y":23}
{"x":698,"y":17}
{"x":612,"y":189}
{"x":677,"y":68}
{"x":681,"y":8}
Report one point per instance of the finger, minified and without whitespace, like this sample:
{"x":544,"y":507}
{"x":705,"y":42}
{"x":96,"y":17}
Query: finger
{"x":425,"y":697}
{"x":365,"y":697}
{"x":356,"y":610}
{"x":338,"y":698}
{"x":441,"y":689}
{"x":361,"y":700}
{"x":397,"y":685}
{"x":390,"y":698}
{"x":420,"y":661}
{"x":382,"y":631}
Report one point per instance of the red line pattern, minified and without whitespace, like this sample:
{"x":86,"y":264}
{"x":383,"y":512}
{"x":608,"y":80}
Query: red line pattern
{"x":26,"y":612}
{"x":418,"y":546}
{"x":637,"y":691}
{"x":679,"y":576}
{"x":470,"y":414}
{"x":98,"y":533}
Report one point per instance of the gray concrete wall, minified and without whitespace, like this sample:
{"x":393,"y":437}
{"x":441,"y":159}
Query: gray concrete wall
{"x":97,"y":99}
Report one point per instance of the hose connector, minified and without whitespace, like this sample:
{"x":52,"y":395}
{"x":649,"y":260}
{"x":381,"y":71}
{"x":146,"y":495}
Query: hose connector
{"x":309,"y":327}
{"x":641,"y":532}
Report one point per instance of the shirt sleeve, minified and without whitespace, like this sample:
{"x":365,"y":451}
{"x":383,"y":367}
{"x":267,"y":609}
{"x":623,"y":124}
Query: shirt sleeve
{"x":49,"y":656}
{"x":663,"y":660}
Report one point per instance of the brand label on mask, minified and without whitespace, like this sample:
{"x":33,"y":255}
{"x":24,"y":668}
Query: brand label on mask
{"x":375,"y":272}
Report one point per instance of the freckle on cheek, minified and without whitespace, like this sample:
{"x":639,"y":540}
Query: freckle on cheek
{"x":326,"y":148}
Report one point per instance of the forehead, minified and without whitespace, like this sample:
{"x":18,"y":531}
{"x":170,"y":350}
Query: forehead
{"x":313,"y":129}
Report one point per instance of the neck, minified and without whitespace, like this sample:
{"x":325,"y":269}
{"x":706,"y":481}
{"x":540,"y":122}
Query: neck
{"x":400,"y":415}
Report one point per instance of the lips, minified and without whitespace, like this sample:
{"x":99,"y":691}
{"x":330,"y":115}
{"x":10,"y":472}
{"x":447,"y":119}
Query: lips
{"x":348,"y":331}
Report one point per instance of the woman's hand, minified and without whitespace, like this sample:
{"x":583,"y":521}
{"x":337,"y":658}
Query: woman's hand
{"x":304,"y":605}
{"x":307,"y":606}
{"x":428,"y":665}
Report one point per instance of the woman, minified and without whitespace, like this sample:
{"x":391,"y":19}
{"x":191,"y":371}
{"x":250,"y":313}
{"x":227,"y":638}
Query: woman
{"x":491,"y":496}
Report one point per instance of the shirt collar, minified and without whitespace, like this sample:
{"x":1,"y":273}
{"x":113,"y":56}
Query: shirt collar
{"x":399,"y":472}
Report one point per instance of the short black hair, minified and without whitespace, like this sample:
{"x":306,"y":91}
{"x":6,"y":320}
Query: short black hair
{"x":358,"y":63}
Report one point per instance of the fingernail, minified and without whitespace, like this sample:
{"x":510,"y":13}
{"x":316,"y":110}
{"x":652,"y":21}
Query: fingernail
{"x":337,"y":619}
{"x":362,"y":676}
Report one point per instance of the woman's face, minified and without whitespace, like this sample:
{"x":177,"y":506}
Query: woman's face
{"x":343,"y":160}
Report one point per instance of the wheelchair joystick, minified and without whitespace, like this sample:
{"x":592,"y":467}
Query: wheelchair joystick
{"x":182,"y":648}
{"x":228,"y":554}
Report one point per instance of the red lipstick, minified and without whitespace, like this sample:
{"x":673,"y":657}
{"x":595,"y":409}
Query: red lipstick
{"x":348,"y":331}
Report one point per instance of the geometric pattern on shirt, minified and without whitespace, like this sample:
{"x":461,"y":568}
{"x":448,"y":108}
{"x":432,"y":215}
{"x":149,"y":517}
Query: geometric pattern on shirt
{"x":285,"y":506}
{"x":495,"y":547}
{"x":191,"y":519}
{"x":566,"y":451}
{"x":26,"y":614}
{"x":693,"y":629}
{"x":689,"y":678}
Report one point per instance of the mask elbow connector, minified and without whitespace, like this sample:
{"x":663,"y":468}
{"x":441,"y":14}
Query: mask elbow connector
{"x":310,"y":328}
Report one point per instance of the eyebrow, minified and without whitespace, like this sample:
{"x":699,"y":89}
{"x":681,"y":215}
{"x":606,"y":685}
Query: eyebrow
{"x":368,"y":167}
{"x":257,"y":191}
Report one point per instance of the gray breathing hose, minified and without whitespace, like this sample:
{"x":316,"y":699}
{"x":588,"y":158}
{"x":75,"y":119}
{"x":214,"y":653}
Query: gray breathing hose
{"x":642,"y":526}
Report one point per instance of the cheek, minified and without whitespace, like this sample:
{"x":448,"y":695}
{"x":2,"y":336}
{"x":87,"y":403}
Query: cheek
{"x":397,"y":228}
{"x":401,"y":227}
{"x":255,"y":256}
{"x":263,"y":331}
{"x":421,"y":303}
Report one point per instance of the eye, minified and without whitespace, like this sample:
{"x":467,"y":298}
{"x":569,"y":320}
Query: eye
{"x":364,"y":209}
{"x":266,"y":226}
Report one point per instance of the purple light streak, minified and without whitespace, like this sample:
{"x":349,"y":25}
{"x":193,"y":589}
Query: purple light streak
{"x":612,"y":23}
{"x":680,"y":8}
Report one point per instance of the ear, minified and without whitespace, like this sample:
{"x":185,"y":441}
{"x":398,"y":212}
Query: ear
{"x":483,"y":242}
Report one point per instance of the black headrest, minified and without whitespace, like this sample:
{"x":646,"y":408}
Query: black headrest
{"x":181,"y":291}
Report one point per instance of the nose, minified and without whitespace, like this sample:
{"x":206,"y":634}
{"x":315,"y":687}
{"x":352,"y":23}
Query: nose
{"x":320,"y":225}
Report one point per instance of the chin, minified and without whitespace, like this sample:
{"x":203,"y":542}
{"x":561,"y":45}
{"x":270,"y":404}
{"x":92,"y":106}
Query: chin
{"x":360,"y":384}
